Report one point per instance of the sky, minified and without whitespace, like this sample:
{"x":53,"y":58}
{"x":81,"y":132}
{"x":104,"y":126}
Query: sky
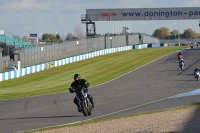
{"x":25,"y":17}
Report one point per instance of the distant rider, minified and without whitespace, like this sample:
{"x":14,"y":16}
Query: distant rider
{"x":179,"y":56}
{"x":198,"y":43}
{"x":82,"y":84}
{"x":196,"y":71}
{"x":191,"y":45}
{"x":181,"y":63}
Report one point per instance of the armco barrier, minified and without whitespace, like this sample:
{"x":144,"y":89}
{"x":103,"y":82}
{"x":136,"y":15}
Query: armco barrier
{"x":41,"y":67}
{"x":139,"y":46}
{"x":150,"y":45}
{"x":163,"y":44}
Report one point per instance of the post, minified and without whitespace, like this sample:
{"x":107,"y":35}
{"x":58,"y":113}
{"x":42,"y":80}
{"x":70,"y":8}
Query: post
{"x":105,"y":41}
{"x":178,"y":35}
{"x":110,"y":41}
{"x":1,"y":60}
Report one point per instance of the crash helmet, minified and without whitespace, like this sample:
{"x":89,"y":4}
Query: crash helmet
{"x":77,"y":77}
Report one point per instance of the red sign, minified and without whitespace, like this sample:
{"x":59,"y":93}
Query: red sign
{"x":108,"y":14}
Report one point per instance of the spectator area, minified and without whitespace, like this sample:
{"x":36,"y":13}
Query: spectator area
{"x":12,"y":41}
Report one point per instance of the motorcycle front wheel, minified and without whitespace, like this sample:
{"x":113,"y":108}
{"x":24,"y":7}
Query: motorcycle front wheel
{"x":84,"y":109}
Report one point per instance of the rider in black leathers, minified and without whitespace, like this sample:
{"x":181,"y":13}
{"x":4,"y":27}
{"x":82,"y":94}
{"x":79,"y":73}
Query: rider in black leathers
{"x":83,"y":84}
{"x":195,"y":70}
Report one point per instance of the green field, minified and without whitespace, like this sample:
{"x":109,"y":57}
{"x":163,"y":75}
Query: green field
{"x":96,"y":70}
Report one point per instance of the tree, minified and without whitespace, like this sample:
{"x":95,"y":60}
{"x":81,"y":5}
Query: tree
{"x":189,"y":33}
{"x":58,"y":37}
{"x":161,"y":32}
{"x":70,"y":36}
{"x":174,"y":33}
{"x":78,"y":32}
{"x":49,"y":37}
{"x":16,"y":37}
{"x":25,"y":39}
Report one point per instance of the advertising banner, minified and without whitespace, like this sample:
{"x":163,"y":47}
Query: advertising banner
{"x":123,"y":14}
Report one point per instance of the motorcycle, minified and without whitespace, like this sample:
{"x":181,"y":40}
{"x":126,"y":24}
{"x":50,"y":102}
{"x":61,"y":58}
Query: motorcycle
{"x":86,"y":105}
{"x":84,"y":101}
{"x":181,"y":66}
{"x":197,"y":76}
{"x":191,"y":46}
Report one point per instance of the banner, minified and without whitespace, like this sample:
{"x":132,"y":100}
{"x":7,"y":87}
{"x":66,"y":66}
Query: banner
{"x":123,"y":14}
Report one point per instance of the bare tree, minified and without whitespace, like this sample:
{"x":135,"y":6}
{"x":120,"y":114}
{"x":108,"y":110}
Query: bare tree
{"x":25,"y":39}
{"x":16,"y":37}
{"x":79,"y":32}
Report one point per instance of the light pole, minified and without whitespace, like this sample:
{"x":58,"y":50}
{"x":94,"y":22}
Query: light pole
{"x":41,"y":35}
{"x":178,"y":35}
{"x":111,"y":41}
{"x":57,"y":36}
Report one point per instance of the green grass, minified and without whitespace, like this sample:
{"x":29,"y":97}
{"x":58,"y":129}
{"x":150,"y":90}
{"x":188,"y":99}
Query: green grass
{"x":96,"y":70}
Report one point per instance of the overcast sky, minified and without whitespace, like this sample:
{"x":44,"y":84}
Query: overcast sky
{"x":23,"y":17}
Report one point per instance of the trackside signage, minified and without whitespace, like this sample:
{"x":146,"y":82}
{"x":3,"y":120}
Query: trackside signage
{"x":143,"y":14}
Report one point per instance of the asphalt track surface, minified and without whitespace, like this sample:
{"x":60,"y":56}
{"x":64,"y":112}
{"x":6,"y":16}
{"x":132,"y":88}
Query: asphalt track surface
{"x":147,"y":88}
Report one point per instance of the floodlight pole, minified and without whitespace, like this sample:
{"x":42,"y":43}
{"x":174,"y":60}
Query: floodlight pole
{"x":178,"y":34}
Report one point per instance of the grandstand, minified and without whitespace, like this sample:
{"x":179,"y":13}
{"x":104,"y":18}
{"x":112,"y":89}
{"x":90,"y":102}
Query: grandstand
{"x":9,"y":40}
{"x":9,"y":44}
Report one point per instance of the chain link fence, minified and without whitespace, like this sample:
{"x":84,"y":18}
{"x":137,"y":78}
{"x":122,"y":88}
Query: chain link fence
{"x":38,"y":54}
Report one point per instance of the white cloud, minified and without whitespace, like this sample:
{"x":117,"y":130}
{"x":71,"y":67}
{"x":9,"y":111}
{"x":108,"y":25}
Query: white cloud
{"x":26,"y":5}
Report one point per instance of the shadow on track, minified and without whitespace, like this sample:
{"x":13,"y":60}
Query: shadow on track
{"x":22,"y":118}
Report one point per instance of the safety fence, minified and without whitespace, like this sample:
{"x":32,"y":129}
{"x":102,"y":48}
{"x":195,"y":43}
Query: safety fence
{"x":33,"y":55}
{"x":149,"y":45}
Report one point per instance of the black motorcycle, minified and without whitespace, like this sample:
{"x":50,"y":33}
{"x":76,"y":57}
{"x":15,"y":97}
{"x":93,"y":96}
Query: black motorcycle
{"x":82,"y":96}
{"x":197,"y":77}
{"x":86,"y":105}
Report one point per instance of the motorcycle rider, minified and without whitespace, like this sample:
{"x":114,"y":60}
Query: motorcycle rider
{"x":83,"y":84}
{"x":191,"y":45}
{"x":181,"y":63}
{"x":198,"y":43}
{"x":196,"y":70}
{"x":179,"y":56}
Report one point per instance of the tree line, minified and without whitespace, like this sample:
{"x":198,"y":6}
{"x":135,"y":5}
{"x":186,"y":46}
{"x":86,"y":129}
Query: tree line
{"x":161,"y":33}
{"x":165,"y":33}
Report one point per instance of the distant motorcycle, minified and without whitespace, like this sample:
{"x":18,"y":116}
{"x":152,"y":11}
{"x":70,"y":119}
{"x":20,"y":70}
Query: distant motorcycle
{"x":181,"y":64}
{"x":191,"y":46}
{"x":197,"y":76}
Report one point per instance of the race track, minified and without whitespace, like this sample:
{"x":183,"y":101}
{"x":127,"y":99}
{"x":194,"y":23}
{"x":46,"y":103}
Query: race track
{"x":148,"y":88}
